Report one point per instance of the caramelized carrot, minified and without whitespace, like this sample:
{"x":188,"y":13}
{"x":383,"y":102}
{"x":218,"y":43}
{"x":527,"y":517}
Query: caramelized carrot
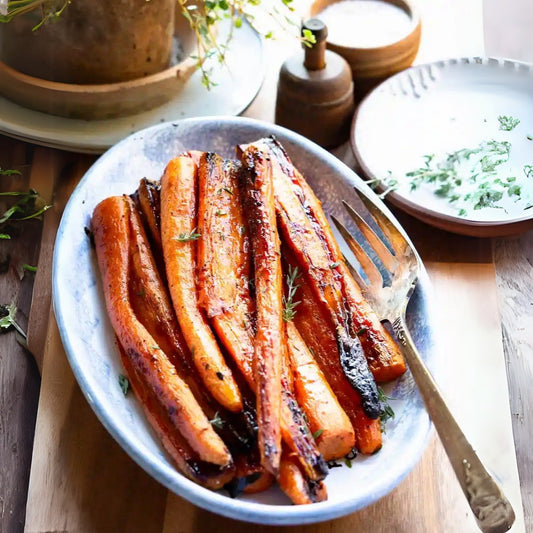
{"x":224,"y":261}
{"x":295,"y":485}
{"x":187,"y":460}
{"x":383,"y":355}
{"x":151,"y":304}
{"x":299,"y":232}
{"x":111,"y":228}
{"x":327,"y":420}
{"x":316,"y":327}
{"x":178,"y":232}
{"x":270,"y":339}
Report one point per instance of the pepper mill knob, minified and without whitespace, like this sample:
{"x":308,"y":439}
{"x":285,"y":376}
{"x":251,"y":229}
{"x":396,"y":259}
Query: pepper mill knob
{"x":315,"y":91}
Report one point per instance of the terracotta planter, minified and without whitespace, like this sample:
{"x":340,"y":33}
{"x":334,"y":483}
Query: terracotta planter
{"x":93,"y":41}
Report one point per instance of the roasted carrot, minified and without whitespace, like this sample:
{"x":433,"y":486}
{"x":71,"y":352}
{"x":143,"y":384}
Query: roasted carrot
{"x":151,"y":304}
{"x":206,"y":474}
{"x":383,"y":355}
{"x":299,"y":231}
{"x":224,"y":265}
{"x":270,"y":339}
{"x":179,"y":234}
{"x":316,"y":327}
{"x":295,"y":485}
{"x":224,"y":261}
{"x":147,"y":200}
{"x":111,"y":229}
{"x":327,"y":420}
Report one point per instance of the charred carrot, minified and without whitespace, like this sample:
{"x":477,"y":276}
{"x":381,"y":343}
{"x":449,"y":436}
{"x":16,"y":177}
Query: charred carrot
{"x":151,"y":304}
{"x":179,"y":235}
{"x":327,"y":420}
{"x":318,"y":331}
{"x":299,"y":231}
{"x":295,"y":485}
{"x":270,"y":339}
{"x":111,"y":229}
{"x":224,"y":261}
{"x":383,"y":355}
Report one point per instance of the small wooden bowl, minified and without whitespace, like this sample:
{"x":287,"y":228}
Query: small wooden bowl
{"x":101,"y":101}
{"x":371,"y":65}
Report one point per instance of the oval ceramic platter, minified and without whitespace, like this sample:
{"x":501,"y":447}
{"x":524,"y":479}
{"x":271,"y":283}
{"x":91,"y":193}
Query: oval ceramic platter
{"x":89,"y":341}
{"x":237,"y":83}
{"x":455,"y":140}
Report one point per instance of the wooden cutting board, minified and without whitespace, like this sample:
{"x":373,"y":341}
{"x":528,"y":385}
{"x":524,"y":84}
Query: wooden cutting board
{"x":82,"y":481}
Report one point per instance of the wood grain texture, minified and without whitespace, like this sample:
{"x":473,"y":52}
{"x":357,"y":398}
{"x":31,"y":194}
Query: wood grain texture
{"x":19,"y":378}
{"x":81,"y":480}
{"x":514,"y":263}
{"x":54,"y":174}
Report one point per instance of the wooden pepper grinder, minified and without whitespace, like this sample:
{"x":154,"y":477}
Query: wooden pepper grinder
{"x":315,"y":92}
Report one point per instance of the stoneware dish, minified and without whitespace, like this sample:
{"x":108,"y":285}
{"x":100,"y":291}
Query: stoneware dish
{"x":440,"y":108}
{"x":89,"y":340}
{"x":103,"y":100}
{"x":235,"y":89}
{"x":372,"y":64}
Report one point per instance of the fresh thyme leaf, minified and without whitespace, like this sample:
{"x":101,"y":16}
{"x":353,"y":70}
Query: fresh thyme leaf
{"x":529,"y":137}
{"x":362,"y":331}
{"x":9,"y":172}
{"x":348,"y":462}
{"x":508,"y":123}
{"x":229,"y":191}
{"x":5,"y":236}
{"x":186,"y":237}
{"x":289,"y":305}
{"x":217,"y":422}
{"x":7,"y":320}
{"x":317,"y":433}
{"x":29,"y":205}
{"x":29,"y":268}
{"x":386,"y":412}
{"x":334,"y":265}
{"x":528,"y":171}
{"x":220,"y":213}
{"x":124,"y":384}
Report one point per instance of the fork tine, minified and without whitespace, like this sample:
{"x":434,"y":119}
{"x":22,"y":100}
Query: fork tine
{"x":370,"y":269}
{"x":395,"y":238}
{"x":377,"y":244}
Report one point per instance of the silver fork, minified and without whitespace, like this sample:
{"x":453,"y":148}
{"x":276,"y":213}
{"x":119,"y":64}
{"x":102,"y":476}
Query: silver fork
{"x":493,"y":512}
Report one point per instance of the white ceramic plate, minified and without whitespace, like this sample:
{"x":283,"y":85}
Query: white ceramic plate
{"x":238,"y":82}
{"x":440,"y":108}
{"x":89,"y":340}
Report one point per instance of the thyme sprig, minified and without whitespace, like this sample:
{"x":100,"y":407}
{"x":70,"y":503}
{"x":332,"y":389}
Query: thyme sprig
{"x":8,"y":320}
{"x":192,"y":235}
{"x":508,"y":123}
{"x":386,"y":411}
{"x":289,"y":305}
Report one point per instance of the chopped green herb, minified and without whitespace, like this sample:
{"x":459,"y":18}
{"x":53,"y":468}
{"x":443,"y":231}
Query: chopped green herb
{"x":217,"y":422}
{"x":9,"y":172}
{"x":124,"y":384}
{"x":186,"y":237}
{"x":155,"y":347}
{"x":220,"y":213}
{"x":386,"y":412}
{"x":7,"y":320}
{"x":334,"y":265}
{"x":529,"y":137}
{"x":362,"y":331}
{"x":229,"y":191}
{"x":508,"y":123}
{"x":289,"y":305}
{"x":528,"y":171}
{"x":348,"y":462}
{"x":5,"y":236}
{"x":317,"y":433}
{"x":242,"y":230}
{"x":29,"y":268}
{"x":30,"y":205}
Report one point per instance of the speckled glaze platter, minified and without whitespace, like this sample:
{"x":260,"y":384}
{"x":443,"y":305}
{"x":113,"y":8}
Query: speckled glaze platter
{"x":440,"y":108}
{"x":89,"y":341}
{"x":236,"y":86}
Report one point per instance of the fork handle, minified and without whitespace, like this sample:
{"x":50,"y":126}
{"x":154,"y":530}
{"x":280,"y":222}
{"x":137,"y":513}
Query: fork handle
{"x":493,"y":512}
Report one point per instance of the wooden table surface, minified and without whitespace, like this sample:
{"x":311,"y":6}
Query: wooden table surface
{"x":508,"y":34}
